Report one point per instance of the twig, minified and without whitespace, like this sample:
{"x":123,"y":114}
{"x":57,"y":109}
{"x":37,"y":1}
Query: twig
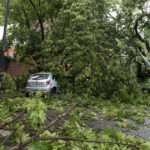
{"x":48,"y":126}
{"x":10,"y":129}
{"x":11,"y":121}
{"x":1,"y":97}
{"x":6,"y":139}
{"x":85,"y":140}
{"x":80,"y":145}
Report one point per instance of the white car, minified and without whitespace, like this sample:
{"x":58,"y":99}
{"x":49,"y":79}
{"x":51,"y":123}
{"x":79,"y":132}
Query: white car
{"x":44,"y":82}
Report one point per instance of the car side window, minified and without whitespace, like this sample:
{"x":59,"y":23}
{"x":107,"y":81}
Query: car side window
{"x":53,"y":77}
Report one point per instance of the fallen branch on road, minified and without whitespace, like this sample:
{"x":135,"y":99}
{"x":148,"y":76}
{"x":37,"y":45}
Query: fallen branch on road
{"x":6,"y":139}
{"x":13,"y":120}
{"x":85,"y":140}
{"x":37,"y":137}
{"x":64,"y":138}
{"x":17,"y":147}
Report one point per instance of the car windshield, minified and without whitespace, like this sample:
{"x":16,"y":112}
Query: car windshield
{"x":39,"y":76}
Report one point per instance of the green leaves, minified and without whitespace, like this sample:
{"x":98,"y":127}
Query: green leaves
{"x":76,"y":125}
{"x":91,"y":52}
{"x":73,"y":41}
{"x":35,"y":112}
{"x":145,"y":146}
{"x":8,"y":85}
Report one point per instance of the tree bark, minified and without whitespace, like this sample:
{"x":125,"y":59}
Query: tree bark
{"x":39,"y":19}
{"x":138,"y":34}
{"x":26,"y":16}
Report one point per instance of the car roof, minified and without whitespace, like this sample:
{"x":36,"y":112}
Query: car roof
{"x":43,"y":73}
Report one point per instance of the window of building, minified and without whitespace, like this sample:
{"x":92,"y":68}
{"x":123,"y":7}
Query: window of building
{"x":12,"y":54}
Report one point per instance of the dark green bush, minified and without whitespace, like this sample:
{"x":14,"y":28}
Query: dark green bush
{"x":21,"y":80}
{"x":8,"y":85}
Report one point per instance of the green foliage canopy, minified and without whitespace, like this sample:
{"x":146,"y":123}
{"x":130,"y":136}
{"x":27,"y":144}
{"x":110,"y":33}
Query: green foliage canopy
{"x":30,"y":22}
{"x":84,"y":45}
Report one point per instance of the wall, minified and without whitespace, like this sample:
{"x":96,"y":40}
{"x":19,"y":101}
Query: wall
{"x":14,"y":69}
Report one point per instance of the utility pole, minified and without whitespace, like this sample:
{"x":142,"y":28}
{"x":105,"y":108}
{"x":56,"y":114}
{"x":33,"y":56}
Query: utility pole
{"x":3,"y":42}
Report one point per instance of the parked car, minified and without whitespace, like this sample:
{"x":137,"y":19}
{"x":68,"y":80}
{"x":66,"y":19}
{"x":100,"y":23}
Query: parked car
{"x":44,"y":82}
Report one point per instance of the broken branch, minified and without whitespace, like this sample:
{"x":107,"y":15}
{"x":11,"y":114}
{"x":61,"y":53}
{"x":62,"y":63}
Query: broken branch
{"x":11,"y":121}
{"x":85,"y":140}
{"x":48,"y":126}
